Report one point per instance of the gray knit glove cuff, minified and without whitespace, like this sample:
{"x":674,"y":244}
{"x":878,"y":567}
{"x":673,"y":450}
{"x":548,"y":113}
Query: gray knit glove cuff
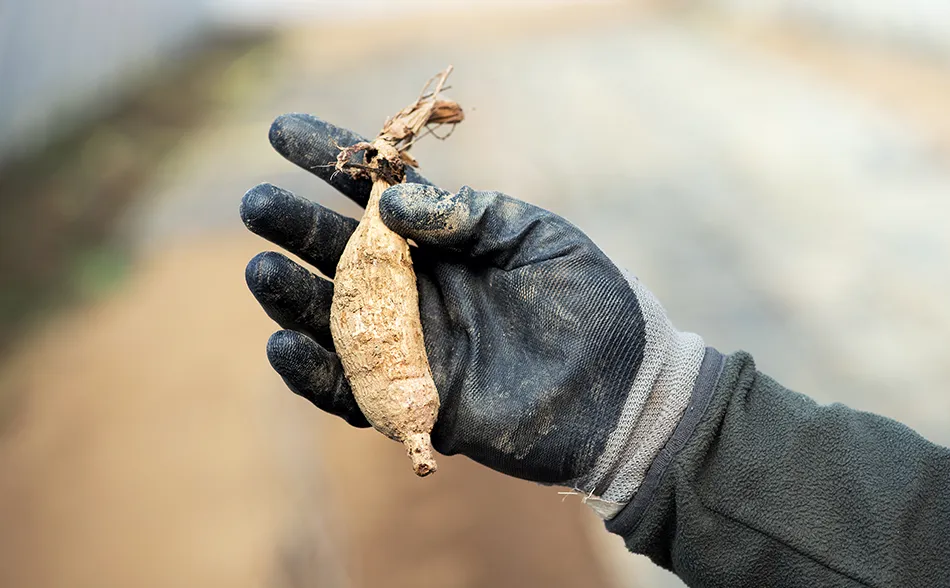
{"x":658,"y":398}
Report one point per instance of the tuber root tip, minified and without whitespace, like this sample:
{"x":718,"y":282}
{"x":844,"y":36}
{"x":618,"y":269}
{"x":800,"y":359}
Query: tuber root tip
{"x":419,"y":448}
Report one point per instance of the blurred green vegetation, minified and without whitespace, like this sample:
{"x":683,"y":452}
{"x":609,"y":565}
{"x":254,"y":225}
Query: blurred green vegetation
{"x":61,"y":204}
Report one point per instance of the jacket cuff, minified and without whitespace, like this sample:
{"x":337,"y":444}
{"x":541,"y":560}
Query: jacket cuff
{"x":627,"y":520}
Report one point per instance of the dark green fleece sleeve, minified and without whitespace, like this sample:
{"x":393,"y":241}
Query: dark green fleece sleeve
{"x":761,"y":486}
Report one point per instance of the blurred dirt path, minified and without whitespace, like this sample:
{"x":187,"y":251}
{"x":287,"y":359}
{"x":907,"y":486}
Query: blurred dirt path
{"x":156,"y":448}
{"x":146,"y":450}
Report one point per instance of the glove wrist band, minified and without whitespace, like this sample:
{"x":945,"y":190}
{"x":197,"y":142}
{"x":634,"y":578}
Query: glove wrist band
{"x":656,"y":402}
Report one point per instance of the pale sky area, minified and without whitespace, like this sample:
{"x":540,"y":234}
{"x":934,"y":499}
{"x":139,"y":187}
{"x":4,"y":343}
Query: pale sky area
{"x":257,"y":11}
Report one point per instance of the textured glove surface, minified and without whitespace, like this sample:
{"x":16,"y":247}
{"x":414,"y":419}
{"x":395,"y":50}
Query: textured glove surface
{"x":534,"y":336}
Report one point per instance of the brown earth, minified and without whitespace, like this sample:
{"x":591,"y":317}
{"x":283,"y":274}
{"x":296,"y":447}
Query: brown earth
{"x":154,"y":447}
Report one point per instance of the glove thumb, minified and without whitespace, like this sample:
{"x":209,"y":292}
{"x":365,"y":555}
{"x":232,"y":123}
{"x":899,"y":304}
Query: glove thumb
{"x":428,"y":215}
{"x":475,"y":224}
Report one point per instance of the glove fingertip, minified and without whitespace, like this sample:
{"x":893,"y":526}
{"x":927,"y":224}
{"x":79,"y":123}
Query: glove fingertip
{"x":286,"y":351}
{"x":281,"y":130}
{"x":273,"y":277}
{"x":255,"y":204}
{"x":255,"y":270}
{"x":419,"y":211}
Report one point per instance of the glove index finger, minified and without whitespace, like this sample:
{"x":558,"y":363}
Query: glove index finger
{"x":313,"y":144}
{"x":305,"y":228}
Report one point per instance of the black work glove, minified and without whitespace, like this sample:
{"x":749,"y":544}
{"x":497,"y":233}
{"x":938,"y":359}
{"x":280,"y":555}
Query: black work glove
{"x":551,"y":364}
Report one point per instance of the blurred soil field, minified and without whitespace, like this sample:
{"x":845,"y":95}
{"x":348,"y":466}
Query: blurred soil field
{"x":156,"y":448}
{"x":770,"y":189}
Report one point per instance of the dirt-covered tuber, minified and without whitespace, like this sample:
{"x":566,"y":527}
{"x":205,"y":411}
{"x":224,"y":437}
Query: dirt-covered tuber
{"x":374,"y":317}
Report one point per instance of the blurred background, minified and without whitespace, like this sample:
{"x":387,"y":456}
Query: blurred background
{"x":777,"y":171}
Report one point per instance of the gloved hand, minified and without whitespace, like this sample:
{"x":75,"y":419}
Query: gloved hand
{"x":551,"y":364}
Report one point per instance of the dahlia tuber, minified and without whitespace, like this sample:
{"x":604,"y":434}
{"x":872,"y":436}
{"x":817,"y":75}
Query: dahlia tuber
{"x":374,"y":317}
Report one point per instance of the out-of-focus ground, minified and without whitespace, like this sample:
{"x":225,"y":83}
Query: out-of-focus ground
{"x":781,"y":190}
